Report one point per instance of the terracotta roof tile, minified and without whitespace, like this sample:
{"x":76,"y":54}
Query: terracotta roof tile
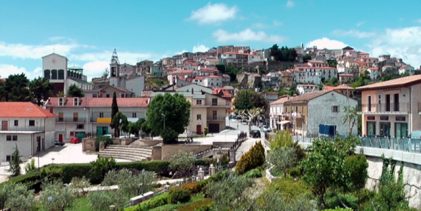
{"x":306,"y":97}
{"x":392,"y":83}
{"x":281,"y":100}
{"x":103,"y":102}
{"x":23,"y":110}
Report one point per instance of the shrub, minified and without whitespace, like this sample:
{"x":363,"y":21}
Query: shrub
{"x":101,"y":200}
{"x":289,"y":189}
{"x":156,"y":201}
{"x":100,"y":167}
{"x":178,"y":195}
{"x":356,"y":168}
{"x":30,"y":166}
{"x":254,"y":173}
{"x":183,"y":164}
{"x":202,"y":205}
{"x":20,"y":198}
{"x":56,"y":197}
{"x":282,"y":139}
{"x":193,"y":187}
{"x":255,"y":157}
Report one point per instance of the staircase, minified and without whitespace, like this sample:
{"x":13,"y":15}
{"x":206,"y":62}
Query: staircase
{"x":127,"y":152}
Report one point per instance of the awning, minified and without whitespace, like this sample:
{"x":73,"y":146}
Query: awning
{"x":284,"y":122}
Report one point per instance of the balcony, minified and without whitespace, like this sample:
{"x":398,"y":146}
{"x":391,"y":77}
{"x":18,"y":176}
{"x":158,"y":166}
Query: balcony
{"x":70,"y":119}
{"x":392,"y":108}
{"x":26,"y":128}
{"x":216,"y":118}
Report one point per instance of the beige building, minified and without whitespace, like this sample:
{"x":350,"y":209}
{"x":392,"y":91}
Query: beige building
{"x":391,"y":108}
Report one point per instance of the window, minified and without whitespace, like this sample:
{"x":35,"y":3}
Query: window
{"x":16,"y":123}
{"x":134,"y":115}
{"x":369,"y":103}
{"x":371,"y":118}
{"x":396,"y":102}
{"x":384,"y":118}
{"x":31,"y":123}
{"x":79,"y":126}
{"x":8,"y":138}
{"x":75,"y":117}
{"x":60,"y":116}
{"x":8,"y":158}
{"x":400,"y":118}
{"x":387,"y":102}
{"x":61,"y":101}
{"x":214,"y":114}
{"x":15,"y":137}
{"x":76,"y":101}
{"x":101,"y":114}
{"x":199,"y":117}
{"x":214,"y":101}
{"x":198,"y":102}
{"x":108,"y":95}
{"x":335,"y":109}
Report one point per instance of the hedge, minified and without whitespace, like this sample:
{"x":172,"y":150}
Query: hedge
{"x":156,"y":201}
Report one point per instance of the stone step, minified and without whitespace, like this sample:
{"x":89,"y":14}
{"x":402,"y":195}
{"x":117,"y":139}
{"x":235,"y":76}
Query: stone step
{"x":125,"y":157}
{"x":129,"y":150}
{"x":129,"y":154}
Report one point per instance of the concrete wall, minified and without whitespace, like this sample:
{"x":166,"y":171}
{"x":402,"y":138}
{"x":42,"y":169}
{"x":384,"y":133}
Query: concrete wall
{"x":136,"y":85}
{"x":169,"y":150}
{"x":26,"y":144}
{"x":320,"y":112}
{"x":411,"y":178}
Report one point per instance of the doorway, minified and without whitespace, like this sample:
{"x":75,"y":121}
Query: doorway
{"x":199,"y":129}
{"x":384,"y":129}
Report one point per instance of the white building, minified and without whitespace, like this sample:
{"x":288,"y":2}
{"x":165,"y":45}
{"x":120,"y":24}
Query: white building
{"x":277,"y":121}
{"x":80,"y":117}
{"x":26,"y":126}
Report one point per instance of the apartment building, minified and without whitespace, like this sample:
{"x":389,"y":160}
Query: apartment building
{"x":391,"y":108}
{"x":26,"y":126}
{"x":80,"y":117}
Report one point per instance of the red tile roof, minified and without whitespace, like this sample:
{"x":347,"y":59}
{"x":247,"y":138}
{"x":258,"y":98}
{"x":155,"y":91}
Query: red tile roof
{"x":404,"y":81}
{"x":23,"y":110}
{"x":281,"y":100}
{"x":306,"y":97}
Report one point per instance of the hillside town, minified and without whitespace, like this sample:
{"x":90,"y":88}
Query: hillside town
{"x":279,"y":105}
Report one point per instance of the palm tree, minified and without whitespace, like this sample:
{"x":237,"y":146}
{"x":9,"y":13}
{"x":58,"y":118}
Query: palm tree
{"x":351,"y":117}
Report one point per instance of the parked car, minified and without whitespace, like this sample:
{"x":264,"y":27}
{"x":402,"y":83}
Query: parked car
{"x":266,"y":128}
{"x":74,"y":140}
{"x":255,"y":134}
{"x":58,"y":143}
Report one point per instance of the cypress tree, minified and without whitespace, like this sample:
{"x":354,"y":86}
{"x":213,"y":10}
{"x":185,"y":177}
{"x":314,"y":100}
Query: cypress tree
{"x":114,"y":110}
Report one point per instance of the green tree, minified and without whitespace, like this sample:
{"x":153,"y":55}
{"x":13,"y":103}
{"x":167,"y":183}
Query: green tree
{"x":119,"y":123}
{"x":351,"y":117}
{"x":30,"y":166}
{"x":3,"y":92}
{"x":75,"y":91}
{"x":130,"y":184}
{"x":102,"y":200}
{"x":254,"y":158}
{"x":14,"y":163}
{"x":324,"y":165}
{"x":183,"y":164}
{"x":231,"y":70}
{"x":114,"y":111}
{"x":100,"y":167}
{"x":168,"y":115}
{"x":40,"y":89}
{"x":332,"y":62}
{"x":19,"y":198}
{"x":282,"y":159}
{"x":283,"y":54}
{"x":248,"y":99}
{"x":16,"y":88}
{"x":355,"y":169}
{"x":56,"y":196}
{"x":306,"y":58}
{"x":391,"y":191}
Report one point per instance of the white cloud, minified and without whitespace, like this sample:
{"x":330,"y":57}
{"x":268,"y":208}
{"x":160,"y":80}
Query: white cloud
{"x":9,"y":69}
{"x":23,"y":51}
{"x":95,"y":68}
{"x":355,"y":33}
{"x":247,"y":35}
{"x":213,"y":13}
{"x":290,"y":3}
{"x":124,"y":56}
{"x":200,"y":48}
{"x":326,"y":43}
{"x":404,"y":43}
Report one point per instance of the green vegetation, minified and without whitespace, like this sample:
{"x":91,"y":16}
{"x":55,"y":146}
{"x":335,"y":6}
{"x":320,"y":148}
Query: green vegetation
{"x":248,"y":99}
{"x":255,"y":157}
{"x":56,"y":196}
{"x":14,"y":163}
{"x":40,"y":89}
{"x":75,"y":91}
{"x":178,"y":195}
{"x":283,"y":54}
{"x":168,"y":115}
{"x":230,"y":70}
{"x":183,"y":163}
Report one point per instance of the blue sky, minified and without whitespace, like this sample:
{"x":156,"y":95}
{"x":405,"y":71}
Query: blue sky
{"x":87,"y":31}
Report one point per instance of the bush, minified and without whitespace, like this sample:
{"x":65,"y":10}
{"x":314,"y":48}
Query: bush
{"x":202,"y":205}
{"x":101,"y":200}
{"x":254,"y":173}
{"x":156,"y":201}
{"x":100,"y":167}
{"x":192,"y":187}
{"x":178,"y":195}
{"x":255,"y":157}
{"x":56,"y":197}
{"x":356,"y":168}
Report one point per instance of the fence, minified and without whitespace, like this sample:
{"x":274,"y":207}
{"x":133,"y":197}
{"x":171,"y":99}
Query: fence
{"x":402,"y":144}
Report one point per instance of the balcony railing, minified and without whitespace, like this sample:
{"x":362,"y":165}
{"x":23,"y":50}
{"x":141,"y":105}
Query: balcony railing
{"x":385,"y":108}
{"x":402,"y":144}
{"x":216,"y":118}
{"x":26,"y":128}
{"x":70,"y":119}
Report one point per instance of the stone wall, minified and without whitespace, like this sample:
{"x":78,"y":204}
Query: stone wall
{"x":88,"y":145}
{"x":411,"y":177}
{"x":168,"y":150}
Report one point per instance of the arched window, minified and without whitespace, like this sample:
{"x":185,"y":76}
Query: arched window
{"x":61,"y":74}
{"x":53,"y":74}
{"x":47,"y":74}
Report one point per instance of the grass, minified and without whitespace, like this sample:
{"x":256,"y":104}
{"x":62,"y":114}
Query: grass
{"x":80,"y":204}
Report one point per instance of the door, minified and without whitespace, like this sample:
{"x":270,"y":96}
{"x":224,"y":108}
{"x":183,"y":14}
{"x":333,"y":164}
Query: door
{"x":213,"y":128}
{"x":4,"y":125}
{"x":60,"y":137}
{"x":199,"y":129}
{"x":401,"y":130}
{"x":38,"y":144}
{"x":371,"y":129}
{"x":384,"y":129}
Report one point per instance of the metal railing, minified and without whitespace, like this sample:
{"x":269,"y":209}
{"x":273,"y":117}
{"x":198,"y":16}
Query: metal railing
{"x":216,"y":118}
{"x":70,"y":119}
{"x":402,"y":144}
{"x":391,"y":107}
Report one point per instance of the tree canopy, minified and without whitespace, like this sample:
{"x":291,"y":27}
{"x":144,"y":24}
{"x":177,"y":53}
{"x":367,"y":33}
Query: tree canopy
{"x":75,"y":91}
{"x":283,"y":54}
{"x":248,"y":99}
{"x":168,"y":115}
{"x":40,"y":89}
{"x":16,"y":88}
